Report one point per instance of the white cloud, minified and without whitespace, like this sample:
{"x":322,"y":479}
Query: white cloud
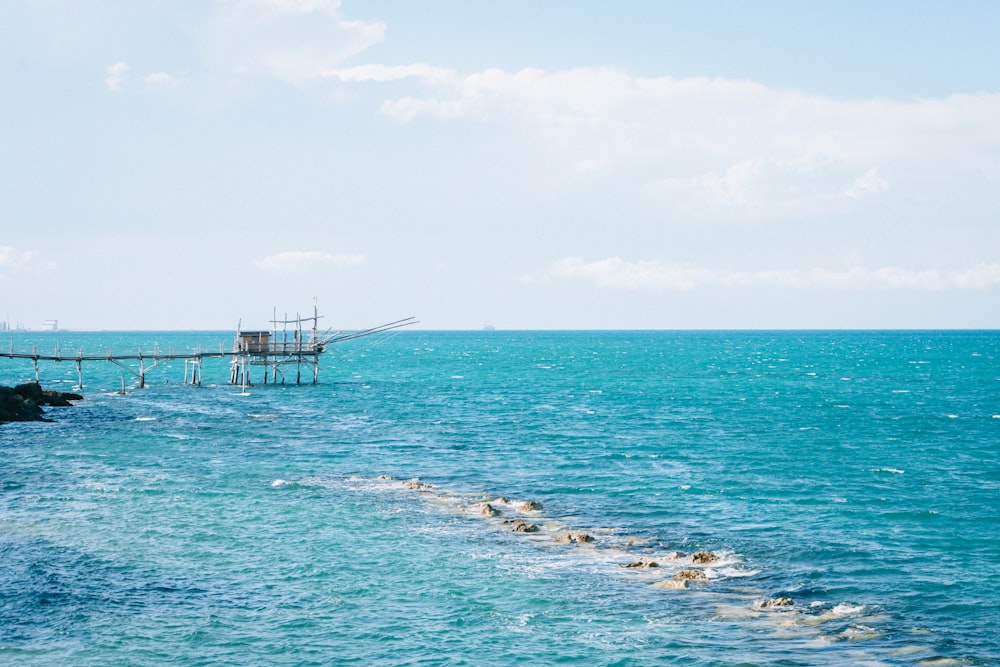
{"x":290,"y":40}
{"x":115,"y":80}
{"x":13,"y":261}
{"x":300,"y":6}
{"x":617,"y":273}
{"x":159,"y":81}
{"x":306,"y":260}
{"x":385,"y":73}
{"x":717,"y":142}
{"x":868,"y":184}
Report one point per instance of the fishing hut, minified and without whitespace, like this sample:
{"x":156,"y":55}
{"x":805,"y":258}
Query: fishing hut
{"x":275,"y":352}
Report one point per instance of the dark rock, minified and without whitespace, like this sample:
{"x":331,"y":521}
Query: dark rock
{"x":690,"y":575}
{"x":704,"y":558}
{"x":24,"y":402}
{"x":31,"y":390}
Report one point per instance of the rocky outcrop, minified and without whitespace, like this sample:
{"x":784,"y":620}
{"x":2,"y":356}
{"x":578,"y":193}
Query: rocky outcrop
{"x":24,"y":402}
{"x":641,"y":564}
{"x":690,"y":575}
{"x":522,"y":526}
{"x":574,"y":538}
{"x":485,"y":509}
{"x":704,"y":558}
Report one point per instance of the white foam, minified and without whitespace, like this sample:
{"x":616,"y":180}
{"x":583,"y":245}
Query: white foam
{"x":278,"y":483}
{"x":894,"y":471}
{"x":845,"y":609}
{"x":145,"y":419}
{"x":732,"y":573}
{"x":860,"y":633}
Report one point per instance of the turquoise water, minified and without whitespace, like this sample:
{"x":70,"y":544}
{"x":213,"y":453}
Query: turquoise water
{"x":856,"y":473}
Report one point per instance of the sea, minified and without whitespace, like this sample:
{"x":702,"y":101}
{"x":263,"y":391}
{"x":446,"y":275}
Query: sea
{"x":504,"y":498}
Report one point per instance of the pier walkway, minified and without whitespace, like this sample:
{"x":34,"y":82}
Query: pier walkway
{"x":250,"y":349}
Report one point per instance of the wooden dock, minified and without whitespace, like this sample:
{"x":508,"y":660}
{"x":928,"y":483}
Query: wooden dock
{"x":274,"y":352}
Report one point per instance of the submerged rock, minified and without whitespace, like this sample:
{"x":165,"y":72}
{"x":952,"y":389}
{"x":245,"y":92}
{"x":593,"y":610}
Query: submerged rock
{"x":636,"y":542}
{"x":672,"y":584}
{"x":574,"y":538}
{"x":704,"y":558}
{"x":526,"y":528}
{"x":690,"y":575}
{"x":642,"y":564}
{"x":384,"y":478}
{"x":415,"y":485}
{"x":529,"y":506}
{"x":773,"y":603}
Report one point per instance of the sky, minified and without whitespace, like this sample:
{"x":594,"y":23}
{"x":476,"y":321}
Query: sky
{"x":191,"y":164}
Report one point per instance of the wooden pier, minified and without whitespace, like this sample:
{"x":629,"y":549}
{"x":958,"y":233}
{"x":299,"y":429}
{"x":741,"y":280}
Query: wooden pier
{"x":275,"y":352}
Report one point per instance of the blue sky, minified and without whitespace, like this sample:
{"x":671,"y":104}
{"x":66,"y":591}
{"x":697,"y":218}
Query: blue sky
{"x":521,"y":164}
